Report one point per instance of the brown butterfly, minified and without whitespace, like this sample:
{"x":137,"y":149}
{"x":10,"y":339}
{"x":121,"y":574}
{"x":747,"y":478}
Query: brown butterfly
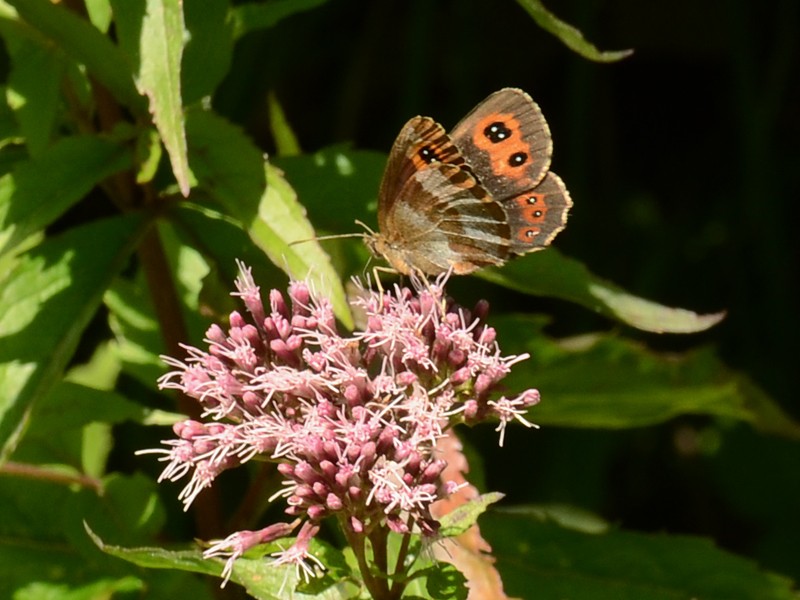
{"x":473,"y":198}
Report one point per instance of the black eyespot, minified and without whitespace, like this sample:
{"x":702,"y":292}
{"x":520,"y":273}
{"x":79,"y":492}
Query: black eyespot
{"x":537,"y":214}
{"x":427,"y":154}
{"x":533,"y":200}
{"x":497,"y":132}
{"x":517,"y":159}
{"x":530,"y":233}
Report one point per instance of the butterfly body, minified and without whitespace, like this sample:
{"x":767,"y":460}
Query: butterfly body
{"x":473,"y":198}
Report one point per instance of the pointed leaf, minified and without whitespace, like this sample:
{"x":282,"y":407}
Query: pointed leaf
{"x":260,"y":577}
{"x":568,"y":34}
{"x":285,"y":139}
{"x":232,"y":170}
{"x":80,"y":40}
{"x":151,"y":33}
{"x":34,"y":91}
{"x":550,"y":273}
{"x":465,"y":516}
{"x":30,"y":201}
{"x":46,"y":301}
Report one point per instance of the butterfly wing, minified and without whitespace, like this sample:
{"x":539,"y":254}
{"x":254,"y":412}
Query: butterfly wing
{"x":432,"y":212}
{"x":444,"y":219}
{"x":506,"y":142}
{"x":421,"y":142}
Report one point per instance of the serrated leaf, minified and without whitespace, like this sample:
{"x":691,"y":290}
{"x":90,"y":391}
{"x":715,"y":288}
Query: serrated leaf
{"x":550,"y":273}
{"x":151,"y":32}
{"x":45,"y":304}
{"x":80,"y":40}
{"x":257,"y":15}
{"x":259,"y":576}
{"x":233,"y":172}
{"x":569,"y":35}
{"x":534,"y":553}
{"x":466,"y":515}
{"x":74,"y":165}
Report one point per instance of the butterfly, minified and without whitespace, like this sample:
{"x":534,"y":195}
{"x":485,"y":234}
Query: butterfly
{"x":474,"y":197}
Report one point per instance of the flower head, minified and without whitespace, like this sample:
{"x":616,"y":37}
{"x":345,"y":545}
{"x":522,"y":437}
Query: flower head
{"x":352,"y":421}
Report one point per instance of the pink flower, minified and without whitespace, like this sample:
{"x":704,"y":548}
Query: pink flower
{"x":351,"y":420}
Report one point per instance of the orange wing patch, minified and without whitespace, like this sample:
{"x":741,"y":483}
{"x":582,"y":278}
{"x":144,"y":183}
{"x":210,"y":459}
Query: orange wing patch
{"x":533,"y":211}
{"x":500,"y":136}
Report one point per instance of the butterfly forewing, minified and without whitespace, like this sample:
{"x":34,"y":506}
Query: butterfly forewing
{"x":506,"y":142}
{"x":421,"y":142}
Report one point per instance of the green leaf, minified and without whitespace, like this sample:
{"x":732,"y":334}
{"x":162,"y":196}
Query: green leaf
{"x":337,"y":185}
{"x":34,"y":91}
{"x":104,"y":588}
{"x":258,"y":575}
{"x":262,"y":15}
{"x":71,"y":427}
{"x":151,"y":33}
{"x":138,"y":337}
{"x":466,"y":515}
{"x":550,"y":273}
{"x":445,"y":582}
{"x":99,"y":12}
{"x":569,"y":35}
{"x":285,"y":139}
{"x":535,"y":553}
{"x":148,"y":154}
{"x":46,"y":301}
{"x":603,"y":381}
{"x":85,"y":404}
{"x":80,"y":40}
{"x":232,"y":170}
{"x":209,"y":51}
{"x":30,"y":201}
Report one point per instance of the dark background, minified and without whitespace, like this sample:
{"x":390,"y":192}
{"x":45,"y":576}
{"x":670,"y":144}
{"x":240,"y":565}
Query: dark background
{"x":684,"y":167}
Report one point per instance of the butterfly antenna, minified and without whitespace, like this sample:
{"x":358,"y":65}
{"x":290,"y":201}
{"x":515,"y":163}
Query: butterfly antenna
{"x":369,"y":229}
{"x":328,"y":237}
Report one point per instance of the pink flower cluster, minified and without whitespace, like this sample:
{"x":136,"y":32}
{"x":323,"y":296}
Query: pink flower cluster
{"x":351,"y":421}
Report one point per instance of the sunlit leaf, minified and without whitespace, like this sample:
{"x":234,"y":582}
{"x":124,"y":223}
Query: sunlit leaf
{"x":233,"y":171}
{"x":34,"y":91}
{"x":74,"y":165}
{"x":84,"y":43}
{"x":45,"y":304}
{"x":151,"y":33}
{"x":550,"y":273}
{"x":258,"y":575}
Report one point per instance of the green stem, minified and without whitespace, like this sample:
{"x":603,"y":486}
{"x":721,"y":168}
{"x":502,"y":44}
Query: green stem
{"x":376,"y":587}
{"x":399,"y":582}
